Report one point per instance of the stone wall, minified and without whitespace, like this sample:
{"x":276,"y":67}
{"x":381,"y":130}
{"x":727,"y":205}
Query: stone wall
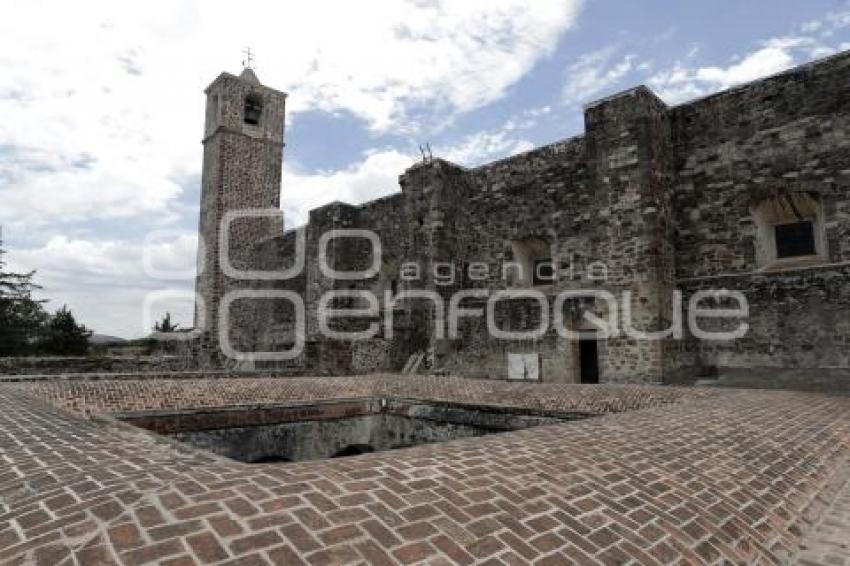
{"x":241,"y":170}
{"x":663,"y":198}
{"x":322,"y":430}
{"x":799,"y":319}
{"x":99,"y":364}
{"x":785,"y":135}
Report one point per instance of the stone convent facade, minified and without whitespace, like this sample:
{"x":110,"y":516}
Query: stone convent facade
{"x":747,"y":191}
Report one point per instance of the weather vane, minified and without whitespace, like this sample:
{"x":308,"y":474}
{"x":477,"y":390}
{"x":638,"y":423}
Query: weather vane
{"x":248,"y":61}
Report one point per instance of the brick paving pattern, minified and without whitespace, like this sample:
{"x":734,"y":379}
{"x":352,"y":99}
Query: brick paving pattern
{"x":131,"y":395}
{"x":829,"y":541}
{"x":678,"y":476}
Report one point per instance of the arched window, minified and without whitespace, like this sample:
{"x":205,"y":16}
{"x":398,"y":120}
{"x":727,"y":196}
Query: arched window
{"x":253,"y":110}
{"x":790,"y":230}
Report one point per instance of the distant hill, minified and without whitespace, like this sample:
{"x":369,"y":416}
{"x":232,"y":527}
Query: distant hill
{"x":102,"y":339}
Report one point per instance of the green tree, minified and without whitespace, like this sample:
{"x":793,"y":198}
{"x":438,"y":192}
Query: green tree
{"x":21,"y":316}
{"x":166,"y":325}
{"x":160,"y":343}
{"x":63,"y":336}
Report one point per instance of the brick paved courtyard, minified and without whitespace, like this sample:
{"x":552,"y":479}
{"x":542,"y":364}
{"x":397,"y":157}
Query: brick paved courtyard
{"x":661,"y":476}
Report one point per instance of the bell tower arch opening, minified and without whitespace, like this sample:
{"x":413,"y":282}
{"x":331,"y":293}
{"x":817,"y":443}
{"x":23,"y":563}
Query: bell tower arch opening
{"x":252,"y":113}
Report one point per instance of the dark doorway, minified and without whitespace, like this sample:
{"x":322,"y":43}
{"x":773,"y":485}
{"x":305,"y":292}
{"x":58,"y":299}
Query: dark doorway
{"x":588,"y":355}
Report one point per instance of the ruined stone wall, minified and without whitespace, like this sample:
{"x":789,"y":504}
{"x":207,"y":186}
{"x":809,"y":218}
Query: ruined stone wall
{"x":798,"y":319}
{"x":273,"y":321}
{"x":541,"y":194}
{"x":662,"y":198}
{"x":785,"y":135}
{"x":388,"y":218}
{"x":601,"y":198}
{"x":630,"y":169}
{"x":276,"y":323}
{"x":93,"y":364}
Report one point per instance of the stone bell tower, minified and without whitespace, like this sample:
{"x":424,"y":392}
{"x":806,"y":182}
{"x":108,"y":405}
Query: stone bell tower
{"x":243,"y":156}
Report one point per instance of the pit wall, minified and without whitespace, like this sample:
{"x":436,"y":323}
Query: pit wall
{"x":308,"y":432}
{"x":315,"y":440}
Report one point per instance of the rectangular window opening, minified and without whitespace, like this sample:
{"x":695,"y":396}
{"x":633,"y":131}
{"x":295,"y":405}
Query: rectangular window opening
{"x":796,"y":239}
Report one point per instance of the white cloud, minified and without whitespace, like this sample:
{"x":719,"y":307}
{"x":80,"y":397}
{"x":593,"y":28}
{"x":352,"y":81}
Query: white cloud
{"x":685,"y":81}
{"x":484,"y":146}
{"x":776,"y":56}
{"x":835,"y":21}
{"x":527,"y":119}
{"x":682,"y":83}
{"x":102,"y":106}
{"x":105,"y":282}
{"x":457,"y":55}
{"x":102,"y":102}
{"x":594,"y":73}
{"x":374,"y":177}
{"x":811,"y":27}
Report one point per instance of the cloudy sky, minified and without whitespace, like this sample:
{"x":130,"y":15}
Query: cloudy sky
{"x":102,"y":107}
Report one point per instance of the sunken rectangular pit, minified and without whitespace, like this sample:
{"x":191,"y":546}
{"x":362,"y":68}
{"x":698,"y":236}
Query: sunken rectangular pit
{"x":332,"y":429}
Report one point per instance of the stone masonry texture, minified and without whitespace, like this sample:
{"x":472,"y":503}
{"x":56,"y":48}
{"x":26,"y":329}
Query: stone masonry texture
{"x":667,"y":198}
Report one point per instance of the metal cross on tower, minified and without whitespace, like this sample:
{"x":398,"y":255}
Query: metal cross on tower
{"x":248,"y":61}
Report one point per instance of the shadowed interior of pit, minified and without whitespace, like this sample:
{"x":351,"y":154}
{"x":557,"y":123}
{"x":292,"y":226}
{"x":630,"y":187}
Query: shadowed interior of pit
{"x":334,"y":429}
